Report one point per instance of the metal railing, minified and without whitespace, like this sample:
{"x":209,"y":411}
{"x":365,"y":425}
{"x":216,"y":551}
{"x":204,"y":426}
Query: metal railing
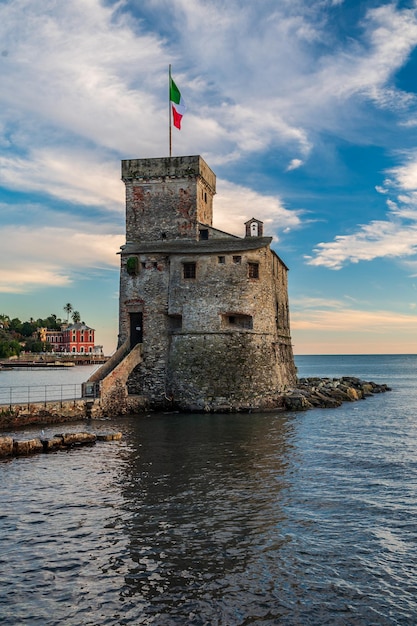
{"x":41,"y":394}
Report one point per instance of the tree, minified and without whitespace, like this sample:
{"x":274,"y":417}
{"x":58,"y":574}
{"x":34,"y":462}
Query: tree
{"x":68,"y":308}
{"x":4,"y":321}
{"x":34,"y":345}
{"x":16,"y":325}
{"x":76,"y":317}
{"x":28,"y":328}
{"x":9,"y":348}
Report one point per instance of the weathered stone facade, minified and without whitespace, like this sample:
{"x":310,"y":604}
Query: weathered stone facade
{"x":209,"y":308}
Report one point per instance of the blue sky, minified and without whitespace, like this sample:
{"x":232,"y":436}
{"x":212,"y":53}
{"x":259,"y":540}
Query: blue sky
{"x":306,"y":111}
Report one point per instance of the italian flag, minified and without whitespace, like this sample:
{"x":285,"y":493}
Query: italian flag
{"x":177,"y":104}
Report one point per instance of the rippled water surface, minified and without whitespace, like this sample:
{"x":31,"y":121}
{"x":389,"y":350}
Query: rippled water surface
{"x":297,"y":518}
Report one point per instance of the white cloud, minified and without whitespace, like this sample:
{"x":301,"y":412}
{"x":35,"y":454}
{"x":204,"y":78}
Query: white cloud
{"x":342,"y":319}
{"x":294,"y":164}
{"x":32,"y":257}
{"x":88,"y":77}
{"x":377,"y":239}
{"x":82,"y":73}
{"x":69,"y":175}
{"x":395,"y":237}
{"x":235,"y":204}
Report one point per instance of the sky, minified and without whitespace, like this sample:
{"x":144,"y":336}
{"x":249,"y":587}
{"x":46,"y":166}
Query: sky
{"x":306,"y":111}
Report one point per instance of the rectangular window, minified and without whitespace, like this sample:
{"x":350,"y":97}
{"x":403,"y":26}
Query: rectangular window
{"x":239,"y":320}
{"x":237,"y":260}
{"x":189,"y":270}
{"x":253,"y":270}
{"x":204,"y":233}
{"x":221,"y":259}
{"x":175,"y":322}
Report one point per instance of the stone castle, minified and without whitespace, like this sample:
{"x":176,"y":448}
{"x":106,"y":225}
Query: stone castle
{"x":209,"y":309}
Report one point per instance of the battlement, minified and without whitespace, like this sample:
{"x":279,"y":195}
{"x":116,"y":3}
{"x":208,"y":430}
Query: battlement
{"x":168,"y":168}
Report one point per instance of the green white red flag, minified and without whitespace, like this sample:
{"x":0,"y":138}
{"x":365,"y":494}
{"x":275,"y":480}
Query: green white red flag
{"x":177,"y":104}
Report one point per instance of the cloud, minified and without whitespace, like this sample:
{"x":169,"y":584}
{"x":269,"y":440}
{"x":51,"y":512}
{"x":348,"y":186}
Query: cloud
{"x":33,"y":257}
{"x":294,"y":164}
{"x":377,"y":239}
{"x":84,"y":82}
{"x":72,"y":176}
{"x":395,"y":237}
{"x":235,"y":204}
{"x":78,"y":67}
{"x":339,"y":318}
{"x":83,"y":74}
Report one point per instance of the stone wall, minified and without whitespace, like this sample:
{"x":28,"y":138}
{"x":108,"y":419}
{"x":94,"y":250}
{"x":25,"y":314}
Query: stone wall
{"x":225,"y":371}
{"x":193,"y":355}
{"x":42,"y":413}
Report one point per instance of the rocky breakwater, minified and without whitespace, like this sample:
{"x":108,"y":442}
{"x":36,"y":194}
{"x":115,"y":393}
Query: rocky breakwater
{"x":329,"y":392}
{"x":17,"y":447}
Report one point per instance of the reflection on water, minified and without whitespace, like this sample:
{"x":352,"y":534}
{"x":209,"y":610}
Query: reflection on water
{"x":266,"y":519}
{"x":204,"y":498}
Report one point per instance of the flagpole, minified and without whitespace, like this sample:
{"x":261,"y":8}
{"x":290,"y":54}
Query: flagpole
{"x":169,"y":107}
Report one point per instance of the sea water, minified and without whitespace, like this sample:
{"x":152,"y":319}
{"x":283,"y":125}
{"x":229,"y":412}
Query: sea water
{"x":43,"y":383}
{"x":303,"y":518}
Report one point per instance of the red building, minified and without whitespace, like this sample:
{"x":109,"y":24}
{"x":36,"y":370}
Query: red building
{"x":76,"y":338}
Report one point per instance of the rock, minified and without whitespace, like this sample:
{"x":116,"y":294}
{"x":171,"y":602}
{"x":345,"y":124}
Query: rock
{"x":329,"y":392}
{"x":74,"y":439}
{"x":55,"y":443}
{"x":296,"y":402}
{"x":30,"y":446}
{"x":6,"y":446}
{"x":326,"y":401}
{"x":354,"y":394}
{"x":109,"y":436}
{"x":367,"y":389}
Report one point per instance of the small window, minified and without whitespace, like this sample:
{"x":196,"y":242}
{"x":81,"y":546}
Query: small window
{"x":175,"y":322}
{"x":204,"y":234}
{"x":237,"y":260}
{"x":253,"y":270}
{"x":221,"y":259}
{"x":239,"y":320}
{"x":189,"y":270}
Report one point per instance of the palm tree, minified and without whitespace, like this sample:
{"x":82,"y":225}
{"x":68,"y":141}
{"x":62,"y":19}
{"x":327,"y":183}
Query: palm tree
{"x":4,"y":321}
{"x":76,"y":317}
{"x":68,"y":308}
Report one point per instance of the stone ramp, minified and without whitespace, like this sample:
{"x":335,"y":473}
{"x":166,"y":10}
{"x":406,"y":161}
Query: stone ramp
{"x":108,"y":385}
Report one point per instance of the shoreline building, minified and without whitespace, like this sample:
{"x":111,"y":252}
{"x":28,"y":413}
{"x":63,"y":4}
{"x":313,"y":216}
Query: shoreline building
{"x":209,"y":309}
{"x":77,"y":338}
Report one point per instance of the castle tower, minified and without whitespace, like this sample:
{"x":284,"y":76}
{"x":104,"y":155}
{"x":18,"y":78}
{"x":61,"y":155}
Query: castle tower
{"x":166,"y":198}
{"x":210,"y":309}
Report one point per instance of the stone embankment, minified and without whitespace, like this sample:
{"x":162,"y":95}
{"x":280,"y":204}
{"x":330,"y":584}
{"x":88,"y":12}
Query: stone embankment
{"x":16,"y":447}
{"x":329,"y":392}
